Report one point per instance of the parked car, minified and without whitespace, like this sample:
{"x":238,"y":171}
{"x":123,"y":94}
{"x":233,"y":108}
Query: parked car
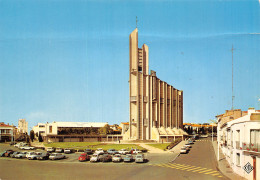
{"x":43,"y":156}
{"x":29,"y":154}
{"x":84,"y":157}
{"x":20,"y":144}
{"x":88,"y":151}
{"x":112,"y":151}
{"x":183,"y":150}
{"x":117,"y":158}
{"x":139,"y":158}
{"x":2,"y":154}
{"x":136,"y":151}
{"x":8,"y":153}
{"x":21,"y":155}
{"x":105,"y":158}
{"x":190,"y":142}
{"x":187,"y":145}
{"x":55,"y":156}
{"x":124,"y":151}
{"x":128,"y":158}
{"x":27,"y":147}
{"x":94,"y":158}
{"x":67,"y":151}
{"x":34,"y":156}
{"x":59,"y":150}
{"x":13,"y":155}
{"x":99,"y":150}
{"x":50,"y":149}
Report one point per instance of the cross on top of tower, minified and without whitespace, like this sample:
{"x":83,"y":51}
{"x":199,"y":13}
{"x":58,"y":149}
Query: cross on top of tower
{"x":136,"y":21}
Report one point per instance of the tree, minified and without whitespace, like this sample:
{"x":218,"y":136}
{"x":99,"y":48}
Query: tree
{"x":40,"y":138}
{"x":105,"y":130}
{"x":32,"y":135}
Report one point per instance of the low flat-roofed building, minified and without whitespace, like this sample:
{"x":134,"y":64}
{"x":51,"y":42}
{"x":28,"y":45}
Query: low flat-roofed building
{"x":73,"y":132}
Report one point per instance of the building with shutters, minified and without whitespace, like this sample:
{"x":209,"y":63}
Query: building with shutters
{"x":239,"y":140}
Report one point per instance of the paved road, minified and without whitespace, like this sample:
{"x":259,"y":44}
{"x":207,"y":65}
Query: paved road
{"x":198,"y":164}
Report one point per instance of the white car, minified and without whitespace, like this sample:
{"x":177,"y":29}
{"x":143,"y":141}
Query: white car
{"x":27,"y":147}
{"x":187,"y":145}
{"x":136,"y":151}
{"x":55,"y":156}
{"x":124,"y":151}
{"x":94,"y":158}
{"x":139,"y":158}
{"x":183,"y":150}
{"x":21,"y":155}
{"x":50,"y":149}
{"x":59,"y":150}
{"x":20,"y":144}
{"x":99,"y":150}
{"x":117,"y":158}
{"x":67,"y":151}
{"x":29,"y":154}
{"x":34,"y":156}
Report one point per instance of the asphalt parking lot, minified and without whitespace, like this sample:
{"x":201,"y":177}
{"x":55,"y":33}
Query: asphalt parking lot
{"x":73,"y":157}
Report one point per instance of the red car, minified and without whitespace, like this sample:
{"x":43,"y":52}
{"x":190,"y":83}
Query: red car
{"x":84,"y":157}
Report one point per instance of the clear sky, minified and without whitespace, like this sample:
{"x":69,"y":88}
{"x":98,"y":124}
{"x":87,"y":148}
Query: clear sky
{"x":69,"y":60}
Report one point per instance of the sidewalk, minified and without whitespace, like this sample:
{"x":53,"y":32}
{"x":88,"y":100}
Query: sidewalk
{"x":223,"y":165}
{"x":152,"y":149}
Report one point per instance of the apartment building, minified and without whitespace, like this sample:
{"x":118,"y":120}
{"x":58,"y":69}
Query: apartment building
{"x":239,"y":140}
{"x":22,"y":126}
{"x":156,"y":108}
{"x":7,"y":132}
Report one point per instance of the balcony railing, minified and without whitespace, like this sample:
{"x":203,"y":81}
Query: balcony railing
{"x":250,"y":147}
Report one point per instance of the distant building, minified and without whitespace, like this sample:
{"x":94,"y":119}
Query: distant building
{"x":22,"y":126}
{"x":195,"y":127}
{"x":156,"y":108}
{"x":73,"y":132}
{"x":239,"y":140}
{"x":7,"y":132}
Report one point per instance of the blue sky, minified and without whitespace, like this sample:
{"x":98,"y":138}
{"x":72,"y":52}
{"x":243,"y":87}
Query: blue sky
{"x":69,"y":60}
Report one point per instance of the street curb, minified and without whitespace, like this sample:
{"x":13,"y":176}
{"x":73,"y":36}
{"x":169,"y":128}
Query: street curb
{"x":175,"y":157}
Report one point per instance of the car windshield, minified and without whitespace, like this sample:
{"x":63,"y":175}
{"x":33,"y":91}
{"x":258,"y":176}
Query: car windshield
{"x":95,"y":155}
{"x":139,"y":156}
{"x":128,"y":156}
{"x":183,"y":148}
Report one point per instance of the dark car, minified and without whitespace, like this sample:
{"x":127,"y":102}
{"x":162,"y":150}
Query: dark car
{"x":105,"y":158}
{"x":43,"y":156}
{"x":84,"y":157}
{"x":8,"y":153}
{"x":88,"y":151}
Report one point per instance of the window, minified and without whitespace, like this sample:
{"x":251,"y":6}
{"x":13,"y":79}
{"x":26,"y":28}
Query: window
{"x":254,"y":136}
{"x":41,"y":126}
{"x":50,"y":129}
{"x":238,"y":139}
{"x":238,"y":159}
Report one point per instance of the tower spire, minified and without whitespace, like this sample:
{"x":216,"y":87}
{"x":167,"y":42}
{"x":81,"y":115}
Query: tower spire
{"x":233,"y":97}
{"x":136,"y":21}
